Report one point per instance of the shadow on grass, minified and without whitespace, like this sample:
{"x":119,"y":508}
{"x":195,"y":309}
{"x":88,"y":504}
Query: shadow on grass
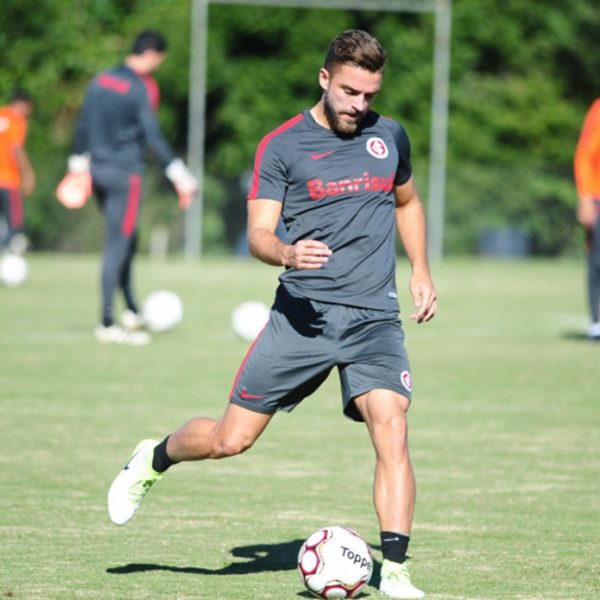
{"x":578,"y":336}
{"x":262,"y":558}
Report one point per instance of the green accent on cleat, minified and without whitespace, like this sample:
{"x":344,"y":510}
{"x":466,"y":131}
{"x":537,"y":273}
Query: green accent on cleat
{"x":395,"y":581}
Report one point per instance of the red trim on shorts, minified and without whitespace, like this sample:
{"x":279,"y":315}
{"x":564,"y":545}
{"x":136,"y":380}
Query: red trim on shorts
{"x":261,"y":149}
{"x":16,"y":209}
{"x":115,"y":84}
{"x":133,"y":204}
{"x":239,"y":371}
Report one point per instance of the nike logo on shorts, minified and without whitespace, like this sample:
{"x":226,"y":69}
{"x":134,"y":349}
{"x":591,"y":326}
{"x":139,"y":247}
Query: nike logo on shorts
{"x":246,"y":396}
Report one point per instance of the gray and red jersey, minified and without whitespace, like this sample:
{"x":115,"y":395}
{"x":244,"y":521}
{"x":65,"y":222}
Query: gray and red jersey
{"x":338,"y":190}
{"x":118,"y":121}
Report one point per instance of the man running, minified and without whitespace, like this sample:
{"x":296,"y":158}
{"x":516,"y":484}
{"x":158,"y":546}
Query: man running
{"x":340,"y":176}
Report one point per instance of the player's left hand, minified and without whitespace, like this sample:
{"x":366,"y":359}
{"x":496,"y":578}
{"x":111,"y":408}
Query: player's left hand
{"x":185,"y":198}
{"x":183,"y":180}
{"x":424,"y":297}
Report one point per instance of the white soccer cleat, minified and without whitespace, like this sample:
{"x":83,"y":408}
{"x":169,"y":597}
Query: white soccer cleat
{"x":115,"y":334}
{"x":132,"y":321}
{"x":594,"y":332}
{"x":395,"y":581}
{"x":18,"y":244}
{"x":132,"y":484}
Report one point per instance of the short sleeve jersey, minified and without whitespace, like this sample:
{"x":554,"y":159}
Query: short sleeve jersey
{"x":338,"y":190}
{"x":13,"y":131}
{"x":118,"y":120}
{"x":587,"y":156}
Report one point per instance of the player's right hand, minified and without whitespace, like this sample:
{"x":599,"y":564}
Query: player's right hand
{"x":587,"y":213}
{"x":74,"y":189}
{"x":308,"y":254}
{"x":28,"y":185}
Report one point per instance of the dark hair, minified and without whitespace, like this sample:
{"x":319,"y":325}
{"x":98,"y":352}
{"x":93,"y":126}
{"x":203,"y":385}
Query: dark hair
{"x":21,"y":95}
{"x":148,"y":40}
{"x":358,"y":48}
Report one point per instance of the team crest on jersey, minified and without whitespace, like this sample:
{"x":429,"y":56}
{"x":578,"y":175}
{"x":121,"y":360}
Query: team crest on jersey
{"x":406,"y":379}
{"x":376,"y":147}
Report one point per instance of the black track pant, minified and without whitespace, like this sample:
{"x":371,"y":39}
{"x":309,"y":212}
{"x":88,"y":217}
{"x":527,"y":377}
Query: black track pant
{"x":593,"y":271}
{"x":11,"y":210}
{"x":119,"y":195}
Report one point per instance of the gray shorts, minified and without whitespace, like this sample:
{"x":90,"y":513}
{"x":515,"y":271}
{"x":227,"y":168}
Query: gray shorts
{"x":304,"y":339}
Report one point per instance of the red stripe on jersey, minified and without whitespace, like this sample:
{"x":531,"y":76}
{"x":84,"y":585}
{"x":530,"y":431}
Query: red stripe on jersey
{"x":116,"y":84}
{"x":153,"y":91}
{"x":16,"y":209}
{"x":261,"y":149}
{"x":133,"y":203}
{"x":239,"y":372}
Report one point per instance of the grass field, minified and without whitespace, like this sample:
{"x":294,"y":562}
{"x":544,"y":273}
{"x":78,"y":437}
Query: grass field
{"x":505,"y":438}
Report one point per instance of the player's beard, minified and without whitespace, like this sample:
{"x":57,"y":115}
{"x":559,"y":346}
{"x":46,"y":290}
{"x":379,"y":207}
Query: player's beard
{"x":335,"y":120}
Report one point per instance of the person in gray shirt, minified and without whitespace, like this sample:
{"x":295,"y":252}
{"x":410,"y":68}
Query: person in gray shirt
{"x":340,"y":177}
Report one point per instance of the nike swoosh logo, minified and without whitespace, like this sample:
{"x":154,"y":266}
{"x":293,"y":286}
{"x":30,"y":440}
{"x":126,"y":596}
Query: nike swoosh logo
{"x":126,"y":467}
{"x":246,"y":396}
{"x":396,"y":539}
{"x":317,"y":156}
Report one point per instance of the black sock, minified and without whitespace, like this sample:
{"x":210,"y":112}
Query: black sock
{"x":161,"y":461}
{"x":107,"y":321}
{"x":394,"y":546}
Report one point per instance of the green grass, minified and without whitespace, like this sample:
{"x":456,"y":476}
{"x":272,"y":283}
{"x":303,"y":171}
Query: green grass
{"x":505,"y":439}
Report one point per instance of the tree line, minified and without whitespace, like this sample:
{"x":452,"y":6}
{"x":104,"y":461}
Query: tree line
{"x":522,"y":76}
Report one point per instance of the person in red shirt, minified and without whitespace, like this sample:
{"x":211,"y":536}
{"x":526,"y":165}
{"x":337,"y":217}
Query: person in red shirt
{"x":587,"y":179}
{"x":17,"y":178}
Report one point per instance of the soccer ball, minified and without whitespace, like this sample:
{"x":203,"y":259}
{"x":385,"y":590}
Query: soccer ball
{"x":13,"y":270}
{"x":335,"y":562}
{"x":162,"y":311}
{"x":249,"y":319}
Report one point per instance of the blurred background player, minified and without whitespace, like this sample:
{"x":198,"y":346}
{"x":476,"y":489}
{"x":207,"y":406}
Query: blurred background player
{"x":340,"y":175}
{"x":117,"y":124}
{"x":587,"y":179}
{"x":17,"y":178}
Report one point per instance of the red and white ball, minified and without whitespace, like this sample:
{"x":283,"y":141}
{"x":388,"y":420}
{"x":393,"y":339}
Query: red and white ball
{"x":335,"y":562}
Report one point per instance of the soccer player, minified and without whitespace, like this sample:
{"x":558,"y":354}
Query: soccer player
{"x":116,"y":125}
{"x":17,"y":177}
{"x":340,"y":176}
{"x":587,"y":179}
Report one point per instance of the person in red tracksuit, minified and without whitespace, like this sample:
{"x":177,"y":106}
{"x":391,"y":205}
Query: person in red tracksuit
{"x":116,"y":126}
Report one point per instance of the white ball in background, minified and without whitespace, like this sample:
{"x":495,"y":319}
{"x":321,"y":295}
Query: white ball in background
{"x":162,"y":311}
{"x":13,"y":270}
{"x":249,"y":318}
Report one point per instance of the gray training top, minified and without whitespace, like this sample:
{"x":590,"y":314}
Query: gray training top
{"x":118,"y":121}
{"x":338,"y":190}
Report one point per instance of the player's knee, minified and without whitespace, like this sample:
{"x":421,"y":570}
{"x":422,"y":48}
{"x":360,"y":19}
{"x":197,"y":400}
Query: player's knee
{"x":231,"y":446}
